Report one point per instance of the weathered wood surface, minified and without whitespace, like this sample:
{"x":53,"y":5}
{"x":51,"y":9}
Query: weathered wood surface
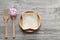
{"x":49,"y":11}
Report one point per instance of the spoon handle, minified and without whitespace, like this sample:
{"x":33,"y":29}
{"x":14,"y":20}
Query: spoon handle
{"x":6,"y":30}
{"x":13,"y":30}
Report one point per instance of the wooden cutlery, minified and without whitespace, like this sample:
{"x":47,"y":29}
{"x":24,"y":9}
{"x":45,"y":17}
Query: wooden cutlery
{"x":13,"y":26}
{"x":13,"y":17}
{"x":6,"y":21}
{"x":5,"y":17}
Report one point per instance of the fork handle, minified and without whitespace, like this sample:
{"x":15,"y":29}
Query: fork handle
{"x":6,"y":30}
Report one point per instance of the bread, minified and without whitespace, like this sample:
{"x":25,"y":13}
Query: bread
{"x":29,"y":21}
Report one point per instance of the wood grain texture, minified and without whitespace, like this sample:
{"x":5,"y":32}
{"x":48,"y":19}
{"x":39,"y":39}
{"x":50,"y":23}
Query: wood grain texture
{"x":50,"y":19}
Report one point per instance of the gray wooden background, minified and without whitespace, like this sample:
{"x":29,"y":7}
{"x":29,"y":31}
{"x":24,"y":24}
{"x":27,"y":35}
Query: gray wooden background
{"x":49,"y":10}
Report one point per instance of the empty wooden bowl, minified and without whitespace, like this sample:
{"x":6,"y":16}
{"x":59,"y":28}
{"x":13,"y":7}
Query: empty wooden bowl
{"x":29,"y":21}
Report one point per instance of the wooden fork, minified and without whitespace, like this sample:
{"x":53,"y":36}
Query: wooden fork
{"x":6,"y":20}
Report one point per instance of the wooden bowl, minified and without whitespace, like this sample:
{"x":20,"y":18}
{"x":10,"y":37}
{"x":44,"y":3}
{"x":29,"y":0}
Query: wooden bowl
{"x":29,"y":21}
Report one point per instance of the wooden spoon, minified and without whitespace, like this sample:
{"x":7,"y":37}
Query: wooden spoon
{"x":13,"y":25}
{"x":6,"y":20}
{"x":13,"y":16}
